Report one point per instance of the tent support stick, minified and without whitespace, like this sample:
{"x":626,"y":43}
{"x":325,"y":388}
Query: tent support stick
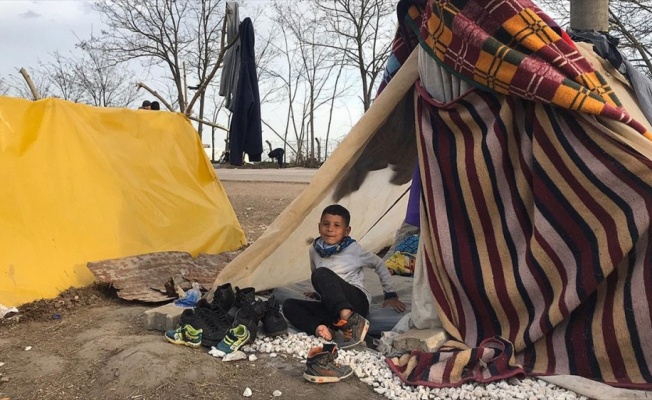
{"x":30,"y":84}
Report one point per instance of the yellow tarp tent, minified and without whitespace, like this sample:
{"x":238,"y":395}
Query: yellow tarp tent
{"x":81,"y":183}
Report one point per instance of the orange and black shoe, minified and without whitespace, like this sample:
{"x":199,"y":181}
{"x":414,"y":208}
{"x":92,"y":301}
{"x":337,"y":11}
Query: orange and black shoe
{"x":321,"y":366}
{"x":353,"y":331}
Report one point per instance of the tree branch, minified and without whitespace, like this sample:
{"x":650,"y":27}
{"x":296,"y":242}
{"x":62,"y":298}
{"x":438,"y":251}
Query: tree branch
{"x":213,"y":124}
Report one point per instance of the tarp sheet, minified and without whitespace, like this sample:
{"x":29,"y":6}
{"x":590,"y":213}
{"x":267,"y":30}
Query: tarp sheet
{"x":82,"y":184}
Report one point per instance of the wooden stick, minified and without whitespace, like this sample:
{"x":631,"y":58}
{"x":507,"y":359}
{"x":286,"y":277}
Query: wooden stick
{"x":30,"y":84}
{"x":216,"y":125}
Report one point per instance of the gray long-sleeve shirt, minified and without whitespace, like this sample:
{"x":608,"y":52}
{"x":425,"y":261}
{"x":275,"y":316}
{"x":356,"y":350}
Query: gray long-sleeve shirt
{"x":349,"y":264}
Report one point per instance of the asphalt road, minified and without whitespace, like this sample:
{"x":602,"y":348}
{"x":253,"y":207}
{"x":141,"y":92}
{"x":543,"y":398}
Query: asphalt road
{"x":298,"y":175}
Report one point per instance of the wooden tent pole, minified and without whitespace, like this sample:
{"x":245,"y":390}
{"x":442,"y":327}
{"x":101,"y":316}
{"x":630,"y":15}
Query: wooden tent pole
{"x":213,"y":124}
{"x":30,"y":84}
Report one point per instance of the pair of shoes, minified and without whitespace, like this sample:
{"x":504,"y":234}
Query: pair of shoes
{"x":240,"y":298}
{"x":249,"y":315}
{"x":274,"y":323}
{"x":353,"y":331}
{"x":213,"y":323}
{"x":184,"y":335}
{"x":321,"y":366}
{"x":234,"y":339}
{"x":269,"y":312}
{"x":223,"y":299}
{"x":239,"y":308}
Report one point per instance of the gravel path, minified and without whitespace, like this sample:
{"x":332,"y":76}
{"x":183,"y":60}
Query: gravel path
{"x":370,"y":367}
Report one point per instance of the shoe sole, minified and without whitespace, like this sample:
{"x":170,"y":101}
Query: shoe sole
{"x":325,"y":379}
{"x":362,"y":336}
{"x":182,"y":343}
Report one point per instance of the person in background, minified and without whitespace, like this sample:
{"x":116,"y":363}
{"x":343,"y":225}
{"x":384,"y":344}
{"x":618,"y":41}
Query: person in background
{"x":147,"y":105}
{"x":155,"y":106}
{"x":277,"y":154}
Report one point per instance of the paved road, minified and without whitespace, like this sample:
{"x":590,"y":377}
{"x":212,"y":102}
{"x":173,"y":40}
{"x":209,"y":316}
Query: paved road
{"x":299,"y":175}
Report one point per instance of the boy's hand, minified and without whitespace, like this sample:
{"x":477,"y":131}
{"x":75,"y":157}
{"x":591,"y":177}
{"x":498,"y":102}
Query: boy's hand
{"x":312,"y":295}
{"x":395,"y":303}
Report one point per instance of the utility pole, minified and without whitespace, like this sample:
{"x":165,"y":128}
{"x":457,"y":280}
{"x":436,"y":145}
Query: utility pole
{"x":589,"y":14}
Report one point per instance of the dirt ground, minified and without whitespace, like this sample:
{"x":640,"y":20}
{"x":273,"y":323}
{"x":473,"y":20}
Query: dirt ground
{"x":89,"y":344}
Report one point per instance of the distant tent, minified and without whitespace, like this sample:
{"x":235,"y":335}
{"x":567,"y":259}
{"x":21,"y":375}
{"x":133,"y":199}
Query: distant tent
{"x":82,"y":184}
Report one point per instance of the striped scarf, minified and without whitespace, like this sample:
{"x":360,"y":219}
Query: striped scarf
{"x":326,"y":251}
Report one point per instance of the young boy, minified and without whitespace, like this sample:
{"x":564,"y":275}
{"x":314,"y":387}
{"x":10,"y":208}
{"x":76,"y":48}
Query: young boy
{"x":336,"y":262}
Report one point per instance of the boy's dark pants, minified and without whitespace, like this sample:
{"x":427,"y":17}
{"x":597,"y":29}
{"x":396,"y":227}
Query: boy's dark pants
{"x":336,"y":295}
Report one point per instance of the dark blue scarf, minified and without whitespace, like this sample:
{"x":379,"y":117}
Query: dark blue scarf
{"x":325,"y":252}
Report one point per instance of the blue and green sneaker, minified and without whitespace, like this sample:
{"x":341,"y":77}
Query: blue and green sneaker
{"x":184,"y":335}
{"x":234,"y":339}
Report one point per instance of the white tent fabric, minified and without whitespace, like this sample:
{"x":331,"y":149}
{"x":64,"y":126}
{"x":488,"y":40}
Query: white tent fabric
{"x":376,"y":195}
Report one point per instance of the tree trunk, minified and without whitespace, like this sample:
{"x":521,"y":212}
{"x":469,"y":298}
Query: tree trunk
{"x":590,"y":14}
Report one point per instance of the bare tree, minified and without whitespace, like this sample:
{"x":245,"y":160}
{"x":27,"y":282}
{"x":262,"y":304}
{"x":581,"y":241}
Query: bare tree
{"x":60,"y":72}
{"x":207,"y":14}
{"x":316,"y":76}
{"x":361,"y":30}
{"x":164,"y":33}
{"x":287,"y":70}
{"x":311,"y":77}
{"x":19,"y":88}
{"x":629,"y":22}
{"x":103,"y":83}
{"x":89,"y":78}
{"x":4,"y":87}
{"x":340,"y":68}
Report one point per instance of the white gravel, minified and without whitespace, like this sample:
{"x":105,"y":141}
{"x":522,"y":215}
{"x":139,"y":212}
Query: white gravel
{"x":370,"y":367}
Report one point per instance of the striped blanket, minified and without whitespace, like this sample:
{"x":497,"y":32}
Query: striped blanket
{"x":536,"y":226}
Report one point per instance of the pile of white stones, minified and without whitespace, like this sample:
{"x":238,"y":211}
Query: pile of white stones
{"x":371,"y":368}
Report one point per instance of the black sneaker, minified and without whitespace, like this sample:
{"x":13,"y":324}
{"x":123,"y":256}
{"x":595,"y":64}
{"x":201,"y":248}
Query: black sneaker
{"x":353,"y":331}
{"x":213,"y":323}
{"x":273,"y":322}
{"x":250,"y":315}
{"x":242,"y":296}
{"x":223,"y":297}
{"x":321,"y":366}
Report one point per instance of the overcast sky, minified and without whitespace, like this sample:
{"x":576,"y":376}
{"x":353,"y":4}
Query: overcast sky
{"x":31,"y":29}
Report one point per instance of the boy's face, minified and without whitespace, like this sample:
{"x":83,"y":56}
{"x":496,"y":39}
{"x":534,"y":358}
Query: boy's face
{"x":332,"y":229}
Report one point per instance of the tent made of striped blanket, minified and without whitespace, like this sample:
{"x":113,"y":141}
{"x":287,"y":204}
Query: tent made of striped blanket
{"x":535,"y":211}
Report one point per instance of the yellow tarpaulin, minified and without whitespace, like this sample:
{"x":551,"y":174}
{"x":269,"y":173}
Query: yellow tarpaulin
{"x":81,"y":183}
